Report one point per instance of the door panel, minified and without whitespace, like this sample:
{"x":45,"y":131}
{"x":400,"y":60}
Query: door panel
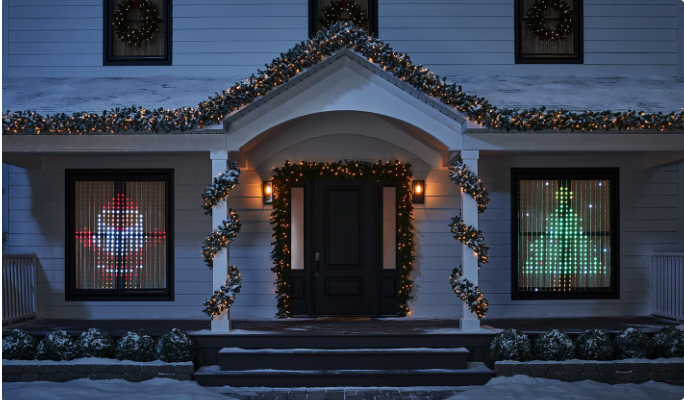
{"x":345,"y":236}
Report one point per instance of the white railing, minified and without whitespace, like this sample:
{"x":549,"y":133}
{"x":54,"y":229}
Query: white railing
{"x":666,"y":284}
{"x":19,"y":284}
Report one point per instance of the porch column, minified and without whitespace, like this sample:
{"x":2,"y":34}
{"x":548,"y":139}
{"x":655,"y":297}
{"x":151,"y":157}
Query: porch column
{"x":219,"y":323}
{"x":469,"y":214}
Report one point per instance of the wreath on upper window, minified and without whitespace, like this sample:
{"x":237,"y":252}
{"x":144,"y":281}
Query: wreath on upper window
{"x":337,"y":8}
{"x":539,"y":26}
{"x":149,"y":26}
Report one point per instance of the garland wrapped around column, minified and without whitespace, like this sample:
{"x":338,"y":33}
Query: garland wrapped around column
{"x":471,"y":237}
{"x":219,"y":190}
{"x":289,"y":174}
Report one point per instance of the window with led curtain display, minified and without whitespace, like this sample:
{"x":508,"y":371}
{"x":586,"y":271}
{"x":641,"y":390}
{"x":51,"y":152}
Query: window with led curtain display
{"x":565,"y":236}
{"x":120,"y":240}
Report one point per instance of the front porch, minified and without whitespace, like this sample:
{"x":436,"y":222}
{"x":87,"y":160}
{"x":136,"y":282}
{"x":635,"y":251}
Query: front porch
{"x":374,"y":333}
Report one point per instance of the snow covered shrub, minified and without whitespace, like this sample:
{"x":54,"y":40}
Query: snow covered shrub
{"x":176,"y":346}
{"x":632,"y":343}
{"x":18,"y":345}
{"x":669,"y":342}
{"x":135,"y":346}
{"x":57,"y":345}
{"x":511,"y":345}
{"x":95,"y":343}
{"x":594,"y":344}
{"x":554,"y":345}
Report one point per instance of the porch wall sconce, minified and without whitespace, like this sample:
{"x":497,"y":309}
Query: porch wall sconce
{"x":418,"y":192}
{"x":268,"y":192}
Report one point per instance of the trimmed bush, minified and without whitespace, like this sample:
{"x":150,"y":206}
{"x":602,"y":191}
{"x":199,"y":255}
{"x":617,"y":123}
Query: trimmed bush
{"x":19,"y":345}
{"x":632,"y":343}
{"x":95,"y":343}
{"x":135,"y":346}
{"x":57,"y":346}
{"x":511,"y":345}
{"x":669,"y":342}
{"x":554,"y":345}
{"x":594,"y":344}
{"x":176,"y":346}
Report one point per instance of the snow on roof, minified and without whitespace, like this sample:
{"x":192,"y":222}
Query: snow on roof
{"x":69,"y":95}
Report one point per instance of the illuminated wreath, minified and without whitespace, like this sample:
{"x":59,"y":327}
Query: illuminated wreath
{"x":150,"y":23}
{"x":334,"y":10}
{"x":539,"y":26}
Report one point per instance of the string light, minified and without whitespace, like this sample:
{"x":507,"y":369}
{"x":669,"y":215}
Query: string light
{"x":309,"y":53}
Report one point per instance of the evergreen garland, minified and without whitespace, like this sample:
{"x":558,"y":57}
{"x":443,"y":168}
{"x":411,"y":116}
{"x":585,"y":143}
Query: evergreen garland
{"x":310,"y":53}
{"x":290,"y":174}
{"x":223,"y":298}
{"x":150,"y":23}
{"x":336,"y":8}
{"x":469,"y":236}
{"x":219,"y":190}
{"x":220,"y":237}
{"x":469,"y":293}
{"x":540,"y":27}
{"x":220,"y":187}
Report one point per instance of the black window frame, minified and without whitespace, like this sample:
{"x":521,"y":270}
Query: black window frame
{"x":119,"y":294}
{"x":372,"y":13}
{"x":108,"y":32}
{"x":568,"y":174}
{"x":578,"y":38}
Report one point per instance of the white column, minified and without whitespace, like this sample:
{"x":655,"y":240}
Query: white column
{"x":469,"y":321}
{"x":219,"y":323}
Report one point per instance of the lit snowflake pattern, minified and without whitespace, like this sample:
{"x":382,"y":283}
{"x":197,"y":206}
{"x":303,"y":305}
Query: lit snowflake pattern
{"x":119,"y":242}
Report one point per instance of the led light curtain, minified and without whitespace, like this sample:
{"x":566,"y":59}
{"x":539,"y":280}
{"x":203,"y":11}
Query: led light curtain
{"x":564,"y":235}
{"x":121,"y":235}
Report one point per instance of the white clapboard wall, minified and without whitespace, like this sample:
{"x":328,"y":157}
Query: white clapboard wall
{"x":651,"y":220}
{"x":233,"y":38}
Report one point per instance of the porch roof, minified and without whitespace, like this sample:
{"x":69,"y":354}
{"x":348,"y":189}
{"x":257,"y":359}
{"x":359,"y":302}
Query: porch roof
{"x":69,"y":95}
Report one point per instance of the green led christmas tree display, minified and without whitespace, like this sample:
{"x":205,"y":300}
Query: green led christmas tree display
{"x":564,"y":257}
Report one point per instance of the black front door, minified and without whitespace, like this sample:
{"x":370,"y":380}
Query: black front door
{"x":344,"y":247}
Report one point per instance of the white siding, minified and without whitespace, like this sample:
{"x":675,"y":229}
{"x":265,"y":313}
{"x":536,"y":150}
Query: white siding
{"x":36,"y":220}
{"x":234,"y":38}
{"x":649,"y":207}
{"x":467,"y":37}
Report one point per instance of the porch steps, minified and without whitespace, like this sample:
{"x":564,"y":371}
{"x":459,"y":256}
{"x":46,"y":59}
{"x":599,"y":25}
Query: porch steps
{"x":395,"y":367}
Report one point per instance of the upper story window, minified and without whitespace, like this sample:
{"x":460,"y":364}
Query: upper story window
{"x":137,"y":32}
{"x":565,"y":233}
{"x":119,"y":242}
{"x":363,"y":13}
{"x":548,"y":31}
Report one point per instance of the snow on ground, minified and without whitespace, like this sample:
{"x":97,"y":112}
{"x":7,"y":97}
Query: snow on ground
{"x":525,"y":387}
{"x":500,"y":388}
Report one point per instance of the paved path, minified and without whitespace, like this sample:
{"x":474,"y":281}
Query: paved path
{"x":342,"y":393}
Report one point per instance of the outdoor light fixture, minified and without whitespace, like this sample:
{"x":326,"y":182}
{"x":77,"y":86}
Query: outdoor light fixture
{"x":268,"y":192}
{"x":418,"y":192}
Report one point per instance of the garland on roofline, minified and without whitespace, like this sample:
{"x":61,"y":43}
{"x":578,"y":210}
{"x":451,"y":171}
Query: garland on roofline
{"x":290,"y":174}
{"x":220,"y":187}
{"x":219,"y":190}
{"x":469,"y":236}
{"x":309,"y":53}
{"x":223,"y":298}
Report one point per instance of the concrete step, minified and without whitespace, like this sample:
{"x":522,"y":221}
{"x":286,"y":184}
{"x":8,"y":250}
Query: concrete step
{"x":237,"y":359}
{"x":474,"y":374}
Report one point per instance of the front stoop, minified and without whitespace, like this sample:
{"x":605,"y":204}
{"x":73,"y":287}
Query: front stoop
{"x":398,"y":367}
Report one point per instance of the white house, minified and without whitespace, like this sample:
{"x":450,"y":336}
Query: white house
{"x":111,"y":204}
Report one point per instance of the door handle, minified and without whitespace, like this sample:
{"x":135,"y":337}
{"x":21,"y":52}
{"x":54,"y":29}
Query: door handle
{"x":318,"y":265}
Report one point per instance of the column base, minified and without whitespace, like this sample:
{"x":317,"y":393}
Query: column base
{"x":221,"y":323}
{"x":468,"y":325}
